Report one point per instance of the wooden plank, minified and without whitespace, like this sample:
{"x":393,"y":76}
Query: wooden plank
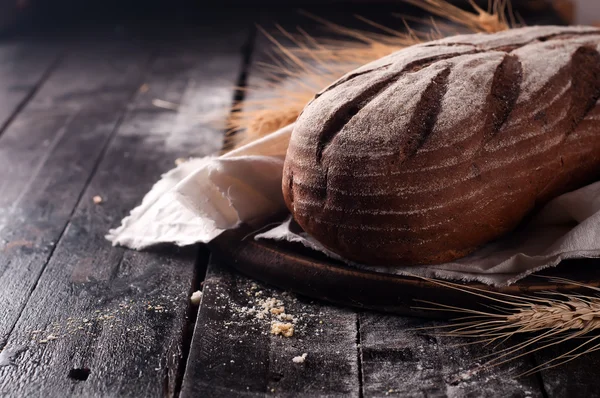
{"x":119,"y":316}
{"x":236,"y":355}
{"x":577,"y":376}
{"x":93,"y":80}
{"x":46,"y":158}
{"x":24,"y":65}
{"x":233,"y":352}
{"x":398,"y":360}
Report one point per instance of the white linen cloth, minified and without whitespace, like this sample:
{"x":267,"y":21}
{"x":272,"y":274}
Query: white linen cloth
{"x":201,"y":198}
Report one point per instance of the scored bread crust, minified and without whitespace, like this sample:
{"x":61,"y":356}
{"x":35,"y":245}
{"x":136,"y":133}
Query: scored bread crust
{"x":426,"y":154}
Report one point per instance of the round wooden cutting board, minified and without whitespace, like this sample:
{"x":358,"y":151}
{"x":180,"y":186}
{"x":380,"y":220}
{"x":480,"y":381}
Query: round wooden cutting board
{"x":292,"y":267}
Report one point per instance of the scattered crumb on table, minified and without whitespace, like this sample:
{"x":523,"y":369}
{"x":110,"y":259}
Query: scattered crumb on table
{"x":112,"y":318}
{"x":300,"y":358}
{"x":277,"y":310}
{"x":97,"y":199}
{"x":285,"y":329}
{"x":196,"y":297}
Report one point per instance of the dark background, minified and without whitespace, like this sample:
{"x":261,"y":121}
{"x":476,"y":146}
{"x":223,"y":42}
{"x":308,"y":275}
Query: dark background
{"x":61,"y":15}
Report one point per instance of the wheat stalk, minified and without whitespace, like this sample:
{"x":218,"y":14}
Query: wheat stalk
{"x":550,"y":318}
{"x":499,"y":15}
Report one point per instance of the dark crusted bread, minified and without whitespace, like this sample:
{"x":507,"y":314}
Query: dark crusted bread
{"x":424,"y":155}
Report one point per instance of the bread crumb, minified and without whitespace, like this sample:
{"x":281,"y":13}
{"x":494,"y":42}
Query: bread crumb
{"x":286,"y":317}
{"x":277,"y":310}
{"x":97,"y":199}
{"x":270,"y":302}
{"x":50,"y":337}
{"x":144,"y":88}
{"x":196,"y":297}
{"x":300,"y":358}
{"x":282,"y":328}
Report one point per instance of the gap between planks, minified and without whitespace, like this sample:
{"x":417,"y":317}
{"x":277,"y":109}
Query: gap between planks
{"x":20,"y":103}
{"x":200,"y":269}
{"x":203,"y":256}
{"x":242,"y":81}
{"x":359,"y":357}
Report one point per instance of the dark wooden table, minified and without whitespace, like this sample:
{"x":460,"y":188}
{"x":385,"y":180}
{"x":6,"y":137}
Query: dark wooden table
{"x":81,"y":318}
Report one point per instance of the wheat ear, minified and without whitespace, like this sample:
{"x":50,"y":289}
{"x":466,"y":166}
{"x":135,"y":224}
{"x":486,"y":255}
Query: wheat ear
{"x":550,"y":318}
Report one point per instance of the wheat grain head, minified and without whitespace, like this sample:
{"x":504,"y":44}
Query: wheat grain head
{"x":545,"y":320}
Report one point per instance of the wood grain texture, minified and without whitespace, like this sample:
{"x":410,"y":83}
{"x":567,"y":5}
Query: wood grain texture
{"x":24,"y":65}
{"x":94,"y":80}
{"x":398,"y":360}
{"x":575,"y":377}
{"x":46,"y":159}
{"x":234,"y":354}
{"x":118,"y":316}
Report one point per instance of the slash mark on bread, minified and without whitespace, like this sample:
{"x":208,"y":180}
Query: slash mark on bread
{"x":506,"y":86}
{"x":425,"y":115}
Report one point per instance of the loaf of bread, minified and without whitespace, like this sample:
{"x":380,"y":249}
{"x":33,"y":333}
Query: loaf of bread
{"x":424,"y":155}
